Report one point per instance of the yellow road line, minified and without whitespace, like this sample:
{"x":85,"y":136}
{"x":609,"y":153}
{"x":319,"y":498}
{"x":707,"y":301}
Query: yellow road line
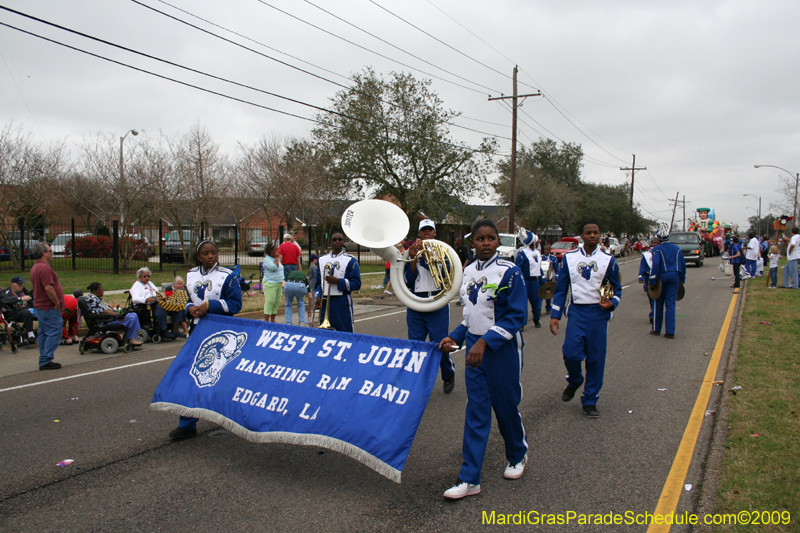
{"x":671,"y":493}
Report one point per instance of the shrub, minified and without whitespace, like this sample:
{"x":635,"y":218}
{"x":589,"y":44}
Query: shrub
{"x":90,"y":247}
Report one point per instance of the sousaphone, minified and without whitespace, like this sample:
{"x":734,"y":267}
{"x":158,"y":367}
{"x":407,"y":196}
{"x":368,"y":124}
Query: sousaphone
{"x":379,"y":225}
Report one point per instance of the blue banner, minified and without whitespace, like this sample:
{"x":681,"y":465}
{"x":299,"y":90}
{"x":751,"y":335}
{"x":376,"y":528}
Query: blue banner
{"x":360,"y":395}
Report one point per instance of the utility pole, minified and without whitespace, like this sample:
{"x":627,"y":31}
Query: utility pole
{"x":684,"y":212}
{"x":674,"y":208}
{"x":513,"y":178}
{"x":633,"y":170}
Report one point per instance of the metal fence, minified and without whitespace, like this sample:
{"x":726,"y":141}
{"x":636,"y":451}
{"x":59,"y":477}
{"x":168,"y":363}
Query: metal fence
{"x":115,"y":248}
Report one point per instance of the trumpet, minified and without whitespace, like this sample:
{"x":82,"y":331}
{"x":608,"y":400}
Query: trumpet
{"x":326,"y":324}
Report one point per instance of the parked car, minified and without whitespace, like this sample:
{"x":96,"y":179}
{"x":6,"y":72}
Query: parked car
{"x":615,"y":247}
{"x":257,"y":246}
{"x":564,"y":245}
{"x":691,"y":244}
{"x":509,"y":246}
{"x":59,"y":245}
{"x":174,"y":246}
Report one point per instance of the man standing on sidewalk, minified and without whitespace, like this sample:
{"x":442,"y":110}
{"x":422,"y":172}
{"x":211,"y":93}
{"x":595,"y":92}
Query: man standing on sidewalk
{"x":48,"y":300}
{"x":792,"y":256}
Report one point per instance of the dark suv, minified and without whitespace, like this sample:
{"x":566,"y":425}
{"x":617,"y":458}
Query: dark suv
{"x":174,"y":247}
{"x":691,"y":244}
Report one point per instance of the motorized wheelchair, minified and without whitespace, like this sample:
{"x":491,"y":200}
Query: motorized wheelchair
{"x":102,"y":336}
{"x":11,"y":333}
{"x":147,"y":321}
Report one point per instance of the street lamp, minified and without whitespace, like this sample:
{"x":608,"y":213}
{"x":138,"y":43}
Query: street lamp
{"x":122,"y":160}
{"x":759,"y":211}
{"x":796,"y":183}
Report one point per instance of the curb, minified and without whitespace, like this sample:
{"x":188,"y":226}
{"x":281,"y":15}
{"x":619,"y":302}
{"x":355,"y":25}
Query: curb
{"x":710,"y":483}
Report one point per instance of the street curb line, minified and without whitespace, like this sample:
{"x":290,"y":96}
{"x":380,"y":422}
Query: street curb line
{"x":673,"y":487}
{"x":706,"y":501}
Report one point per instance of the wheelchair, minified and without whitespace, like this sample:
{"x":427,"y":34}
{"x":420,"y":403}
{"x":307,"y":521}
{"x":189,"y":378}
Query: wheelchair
{"x":102,"y":336}
{"x":11,"y":333}
{"x":147,"y":321}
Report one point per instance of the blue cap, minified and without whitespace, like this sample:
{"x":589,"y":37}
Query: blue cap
{"x":312,"y":257}
{"x":18,"y":280}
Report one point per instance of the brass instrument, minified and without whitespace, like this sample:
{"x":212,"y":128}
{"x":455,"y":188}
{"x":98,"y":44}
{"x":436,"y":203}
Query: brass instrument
{"x":607,"y":291}
{"x":326,"y":324}
{"x":435,"y":254}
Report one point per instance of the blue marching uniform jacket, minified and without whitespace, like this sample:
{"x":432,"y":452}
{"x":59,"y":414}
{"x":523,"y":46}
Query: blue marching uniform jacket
{"x":495,"y":305}
{"x":530,"y":264}
{"x":586,"y":334}
{"x":645,"y":266}
{"x":345,"y":267}
{"x":429,"y":325}
{"x":670,"y":266}
{"x":218,"y":286}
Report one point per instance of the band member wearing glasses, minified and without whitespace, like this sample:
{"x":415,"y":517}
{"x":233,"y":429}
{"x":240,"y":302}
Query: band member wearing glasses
{"x":433,"y":324}
{"x":584,"y":271}
{"x":339,"y":271}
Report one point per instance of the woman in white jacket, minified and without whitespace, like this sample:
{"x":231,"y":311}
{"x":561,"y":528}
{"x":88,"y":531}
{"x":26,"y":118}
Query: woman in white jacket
{"x":144,"y":292}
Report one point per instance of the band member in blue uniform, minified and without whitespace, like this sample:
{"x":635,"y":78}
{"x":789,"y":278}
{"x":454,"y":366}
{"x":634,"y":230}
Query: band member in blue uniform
{"x":212,"y":290}
{"x":495,"y":305}
{"x":340,"y":271}
{"x":550,"y":263}
{"x":645,"y":266}
{"x":585,"y":270}
{"x":529,"y":261}
{"x":669,"y":265}
{"x":433,"y":324}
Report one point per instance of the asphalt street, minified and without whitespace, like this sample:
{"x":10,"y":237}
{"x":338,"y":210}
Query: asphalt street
{"x":128,"y":476}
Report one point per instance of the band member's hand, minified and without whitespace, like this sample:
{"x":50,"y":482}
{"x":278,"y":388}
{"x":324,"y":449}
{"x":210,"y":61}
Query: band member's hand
{"x":606,"y":304}
{"x":554,"y":325}
{"x":332,"y":280}
{"x":641,"y":281}
{"x":414,"y":249}
{"x":193,"y":310}
{"x":318,"y":304}
{"x":448,"y":345}
{"x":475,"y":355}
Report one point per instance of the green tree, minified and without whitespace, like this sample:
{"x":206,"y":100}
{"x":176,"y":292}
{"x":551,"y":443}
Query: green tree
{"x":390,"y":137}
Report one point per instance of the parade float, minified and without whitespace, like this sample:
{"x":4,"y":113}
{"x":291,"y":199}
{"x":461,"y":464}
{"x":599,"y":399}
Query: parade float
{"x":713,"y":232}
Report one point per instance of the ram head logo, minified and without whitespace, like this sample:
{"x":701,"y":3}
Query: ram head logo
{"x":215,"y":352}
{"x":473,"y":287}
{"x":585,"y":270}
{"x":201,"y":287}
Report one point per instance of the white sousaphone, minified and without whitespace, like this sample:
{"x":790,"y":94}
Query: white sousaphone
{"x":380,"y":225}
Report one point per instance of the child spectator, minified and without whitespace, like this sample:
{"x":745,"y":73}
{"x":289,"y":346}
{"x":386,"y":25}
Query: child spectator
{"x":774,"y":256}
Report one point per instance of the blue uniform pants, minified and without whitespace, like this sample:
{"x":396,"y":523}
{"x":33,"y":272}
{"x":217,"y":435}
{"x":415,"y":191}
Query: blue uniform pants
{"x":532,"y":286}
{"x":493,"y":385}
{"x":650,"y":300}
{"x":341,"y":312}
{"x":585,"y":340}
{"x":670,"y":281}
{"x":433,"y":325}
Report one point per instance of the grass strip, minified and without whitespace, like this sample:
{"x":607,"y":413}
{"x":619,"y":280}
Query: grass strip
{"x":761,"y":465}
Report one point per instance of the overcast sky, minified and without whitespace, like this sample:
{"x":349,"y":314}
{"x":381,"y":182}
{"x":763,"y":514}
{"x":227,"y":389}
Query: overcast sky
{"x":699,"y":90}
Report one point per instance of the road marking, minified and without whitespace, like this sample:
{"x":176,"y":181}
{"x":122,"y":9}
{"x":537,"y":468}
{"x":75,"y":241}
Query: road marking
{"x":671,"y":493}
{"x":625,"y":287}
{"x":86,"y":374}
{"x":380,"y":316}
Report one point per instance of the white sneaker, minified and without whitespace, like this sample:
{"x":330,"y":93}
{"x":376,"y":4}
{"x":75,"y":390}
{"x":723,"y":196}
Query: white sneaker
{"x":388,"y":292}
{"x":516,"y":471}
{"x":462,"y":490}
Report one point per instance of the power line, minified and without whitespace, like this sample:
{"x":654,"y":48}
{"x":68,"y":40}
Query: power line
{"x":395,"y":46}
{"x":580,"y":130}
{"x":365,"y":48}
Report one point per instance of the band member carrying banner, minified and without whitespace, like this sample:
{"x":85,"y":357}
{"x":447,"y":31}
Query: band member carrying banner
{"x":342,"y":275}
{"x":495,"y":306}
{"x":212,"y":290}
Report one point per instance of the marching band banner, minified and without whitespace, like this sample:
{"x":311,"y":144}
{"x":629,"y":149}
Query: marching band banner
{"x":356,"y":394}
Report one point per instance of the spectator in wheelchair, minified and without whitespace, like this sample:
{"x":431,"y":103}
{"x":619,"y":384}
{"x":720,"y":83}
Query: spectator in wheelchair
{"x":144,"y":291}
{"x":179,"y":318}
{"x":98,"y":306}
{"x":17,"y":302}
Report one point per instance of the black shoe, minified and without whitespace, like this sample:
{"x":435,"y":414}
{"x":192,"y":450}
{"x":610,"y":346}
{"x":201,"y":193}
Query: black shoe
{"x":655,"y":332}
{"x":52,"y":365}
{"x":449,"y":384}
{"x":182,"y":433}
{"x":591,"y":411}
{"x":537,"y":324}
{"x":669,"y":335}
{"x":651,"y":320}
{"x":181,"y":335}
{"x":568,"y":394}
{"x":31,"y":341}
{"x":168,"y":335}
{"x":29,"y":345}
{"x":547,"y":311}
